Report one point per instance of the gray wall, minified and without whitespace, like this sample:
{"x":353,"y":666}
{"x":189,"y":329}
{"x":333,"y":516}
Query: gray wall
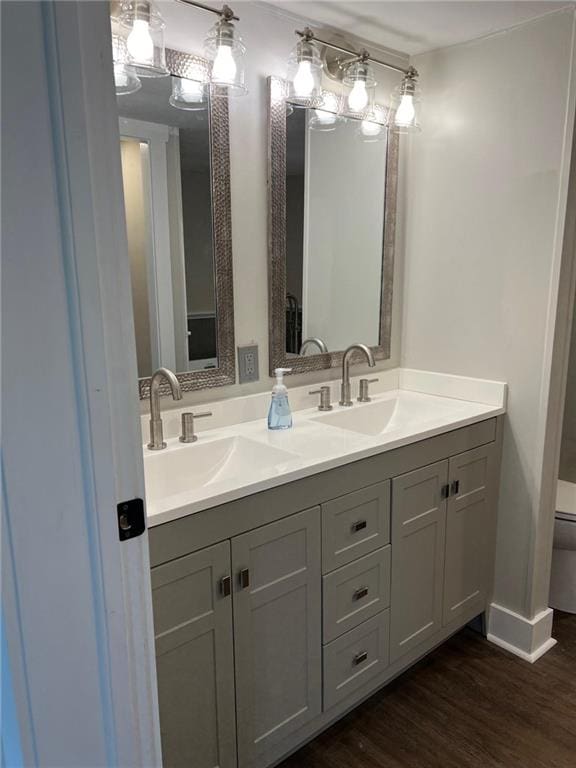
{"x":294,"y":234}
{"x":198,"y":251}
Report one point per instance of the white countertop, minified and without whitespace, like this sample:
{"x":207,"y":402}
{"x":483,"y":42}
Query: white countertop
{"x":243,"y":458}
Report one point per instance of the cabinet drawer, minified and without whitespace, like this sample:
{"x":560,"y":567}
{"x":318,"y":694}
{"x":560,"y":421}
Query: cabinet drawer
{"x":354,"y":525}
{"x":355,"y":592}
{"x":355,"y":658}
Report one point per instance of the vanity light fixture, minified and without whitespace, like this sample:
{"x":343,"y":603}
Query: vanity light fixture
{"x":305,"y":70}
{"x":224,"y":47}
{"x":125,"y":78}
{"x":326,"y":117}
{"x":144,"y":27}
{"x":403,"y":108}
{"x":359,"y":77}
{"x":188,"y":94}
{"x":372,"y":127}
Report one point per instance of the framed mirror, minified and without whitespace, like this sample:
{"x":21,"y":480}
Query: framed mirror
{"x":176,"y":175}
{"x":332,"y":226}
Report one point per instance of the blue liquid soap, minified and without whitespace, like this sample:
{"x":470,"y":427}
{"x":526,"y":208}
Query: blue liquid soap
{"x":280,"y":415}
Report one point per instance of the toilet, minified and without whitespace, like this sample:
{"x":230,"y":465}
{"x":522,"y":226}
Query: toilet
{"x":563,"y":576}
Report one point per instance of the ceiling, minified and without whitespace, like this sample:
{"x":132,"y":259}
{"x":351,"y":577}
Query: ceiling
{"x":415,"y":27}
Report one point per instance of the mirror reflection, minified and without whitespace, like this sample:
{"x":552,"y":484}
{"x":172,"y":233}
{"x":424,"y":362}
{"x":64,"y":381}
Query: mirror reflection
{"x":166,"y":167}
{"x":335,"y":203}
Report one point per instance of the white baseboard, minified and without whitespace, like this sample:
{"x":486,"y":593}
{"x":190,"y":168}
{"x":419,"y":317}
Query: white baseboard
{"x":527,"y":638}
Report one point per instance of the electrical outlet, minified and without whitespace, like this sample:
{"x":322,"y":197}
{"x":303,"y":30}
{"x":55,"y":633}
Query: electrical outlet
{"x":248,"y":363}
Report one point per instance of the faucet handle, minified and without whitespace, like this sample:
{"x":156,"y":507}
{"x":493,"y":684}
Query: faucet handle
{"x":363,"y":396}
{"x":188,"y":435}
{"x":324,"y":393}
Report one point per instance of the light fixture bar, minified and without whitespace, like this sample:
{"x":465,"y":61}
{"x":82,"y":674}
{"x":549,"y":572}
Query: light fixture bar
{"x":308,"y":34}
{"x":225,"y":12}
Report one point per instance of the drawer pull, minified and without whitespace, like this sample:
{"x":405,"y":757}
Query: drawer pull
{"x":445,"y":491}
{"x":360,"y":593}
{"x":360,"y":658}
{"x":225,"y":586}
{"x":359,"y":526}
{"x":244,"y":578}
{"x":455,"y":488}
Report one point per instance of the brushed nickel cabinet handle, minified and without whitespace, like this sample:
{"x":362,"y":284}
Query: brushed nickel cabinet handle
{"x":360,"y":658}
{"x":225,"y":586}
{"x":244,"y":578}
{"x":360,"y":593}
{"x":359,"y":526}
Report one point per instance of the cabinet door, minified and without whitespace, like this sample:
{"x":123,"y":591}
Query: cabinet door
{"x":277,"y":614}
{"x":418,"y":536}
{"x":469,"y":533}
{"x":194,"y":660}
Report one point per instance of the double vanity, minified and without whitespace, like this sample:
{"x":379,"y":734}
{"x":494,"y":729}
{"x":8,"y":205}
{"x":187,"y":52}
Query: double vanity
{"x":294,"y":573}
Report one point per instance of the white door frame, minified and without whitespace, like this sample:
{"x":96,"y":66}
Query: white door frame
{"x":159,"y":263}
{"x":77,"y":602}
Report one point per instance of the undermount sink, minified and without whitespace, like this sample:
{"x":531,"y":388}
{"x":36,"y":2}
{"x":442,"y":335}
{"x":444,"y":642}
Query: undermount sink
{"x":367,"y":419}
{"x":392,"y":413}
{"x":188,"y":467}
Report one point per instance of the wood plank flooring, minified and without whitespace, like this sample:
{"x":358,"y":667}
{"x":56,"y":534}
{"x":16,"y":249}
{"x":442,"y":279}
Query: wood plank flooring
{"x":467,"y":705}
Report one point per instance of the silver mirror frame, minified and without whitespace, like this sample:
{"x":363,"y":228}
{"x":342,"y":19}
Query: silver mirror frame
{"x":277,"y":245}
{"x":183,"y":64}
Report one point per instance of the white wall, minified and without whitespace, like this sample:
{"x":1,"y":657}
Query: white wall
{"x":269,"y":37}
{"x":484,"y":218}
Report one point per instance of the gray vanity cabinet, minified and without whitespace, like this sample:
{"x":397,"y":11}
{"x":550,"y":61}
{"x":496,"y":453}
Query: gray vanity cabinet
{"x":321,"y":607}
{"x":194,"y":660}
{"x":442,"y":546}
{"x":418,"y":536}
{"x":469,"y":532}
{"x":277,"y":631}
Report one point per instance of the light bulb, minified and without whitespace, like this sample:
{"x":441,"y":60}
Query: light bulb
{"x":405,"y":113}
{"x":324,"y":117}
{"x":191,"y":90}
{"x":139,"y":43}
{"x":358,"y":98}
{"x":304,"y":80}
{"x":370,"y":128}
{"x":224,"y":67}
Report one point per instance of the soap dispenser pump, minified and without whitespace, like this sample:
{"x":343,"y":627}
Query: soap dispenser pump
{"x":279,"y":415}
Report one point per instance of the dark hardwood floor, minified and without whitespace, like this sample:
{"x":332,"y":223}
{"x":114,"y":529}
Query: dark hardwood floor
{"x":467,"y":705}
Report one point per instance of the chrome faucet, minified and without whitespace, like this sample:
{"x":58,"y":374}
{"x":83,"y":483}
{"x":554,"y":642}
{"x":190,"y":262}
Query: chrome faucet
{"x":156,"y":435}
{"x":345,"y":398}
{"x":317,"y":341}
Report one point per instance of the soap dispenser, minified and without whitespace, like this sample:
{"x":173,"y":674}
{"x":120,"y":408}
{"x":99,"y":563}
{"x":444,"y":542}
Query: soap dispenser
{"x":279,"y":415}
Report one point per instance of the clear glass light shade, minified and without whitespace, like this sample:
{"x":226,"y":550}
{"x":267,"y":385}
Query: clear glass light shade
{"x":373,"y":127}
{"x":362,"y":85}
{"x":225,"y":49}
{"x":125,"y":78}
{"x":144,"y":38}
{"x":188,"y":94}
{"x":304,"y":74}
{"x":404,"y":107}
{"x":327,"y":116}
